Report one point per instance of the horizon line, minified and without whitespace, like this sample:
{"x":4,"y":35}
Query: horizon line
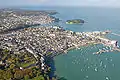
{"x":21,"y":6}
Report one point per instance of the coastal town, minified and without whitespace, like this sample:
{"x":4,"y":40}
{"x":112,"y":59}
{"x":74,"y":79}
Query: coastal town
{"x":40,"y":42}
{"x":46,"y":40}
{"x":14,"y":19}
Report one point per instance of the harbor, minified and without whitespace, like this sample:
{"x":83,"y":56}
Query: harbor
{"x":55,"y":41}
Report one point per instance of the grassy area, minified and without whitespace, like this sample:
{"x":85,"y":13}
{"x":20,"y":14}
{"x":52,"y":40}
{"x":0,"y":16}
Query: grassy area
{"x":26,"y":64}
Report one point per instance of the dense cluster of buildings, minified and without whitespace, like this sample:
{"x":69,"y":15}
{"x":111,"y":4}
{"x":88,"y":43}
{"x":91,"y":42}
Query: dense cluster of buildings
{"x":47,"y":40}
{"x":10,"y":19}
{"x":42,"y":41}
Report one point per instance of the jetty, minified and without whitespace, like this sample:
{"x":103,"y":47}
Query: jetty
{"x":115,"y":34}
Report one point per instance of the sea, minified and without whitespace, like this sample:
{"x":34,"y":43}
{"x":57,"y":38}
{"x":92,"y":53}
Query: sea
{"x":83,"y":64}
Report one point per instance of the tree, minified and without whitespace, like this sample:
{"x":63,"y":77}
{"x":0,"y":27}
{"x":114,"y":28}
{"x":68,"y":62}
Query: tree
{"x":39,"y":78}
{"x":12,"y":66}
{"x":1,"y":74}
{"x":8,"y":75}
{"x":28,"y":72}
{"x":18,"y":74}
{"x":74,"y":33}
{"x":5,"y":50}
{"x":26,"y":77}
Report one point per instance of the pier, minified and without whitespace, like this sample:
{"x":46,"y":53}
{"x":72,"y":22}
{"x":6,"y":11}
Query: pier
{"x":115,"y":34}
{"x":117,"y":49}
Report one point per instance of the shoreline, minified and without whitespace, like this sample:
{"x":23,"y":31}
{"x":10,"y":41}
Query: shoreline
{"x":41,"y":41}
{"x":12,"y":19}
{"x":71,"y":48}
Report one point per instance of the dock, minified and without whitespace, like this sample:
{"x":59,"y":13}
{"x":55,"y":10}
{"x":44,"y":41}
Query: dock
{"x":115,"y":34}
{"x":117,"y":49}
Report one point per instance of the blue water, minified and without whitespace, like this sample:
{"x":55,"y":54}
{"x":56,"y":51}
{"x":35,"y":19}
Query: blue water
{"x":83,"y":64}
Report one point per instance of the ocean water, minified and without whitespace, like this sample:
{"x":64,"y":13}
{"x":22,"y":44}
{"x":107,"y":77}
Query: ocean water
{"x":82,"y":64}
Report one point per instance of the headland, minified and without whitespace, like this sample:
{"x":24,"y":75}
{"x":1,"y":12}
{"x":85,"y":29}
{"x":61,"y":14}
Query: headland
{"x":39,"y":42}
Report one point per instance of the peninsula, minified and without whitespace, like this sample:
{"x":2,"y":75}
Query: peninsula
{"x":24,"y":53}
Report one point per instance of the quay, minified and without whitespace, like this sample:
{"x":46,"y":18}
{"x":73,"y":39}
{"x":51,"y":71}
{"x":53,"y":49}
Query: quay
{"x":115,"y":34}
{"x":44,"y":41}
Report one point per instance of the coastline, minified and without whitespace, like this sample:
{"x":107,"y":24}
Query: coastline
{"x":51,"y":36}
{"x":71,"y":48}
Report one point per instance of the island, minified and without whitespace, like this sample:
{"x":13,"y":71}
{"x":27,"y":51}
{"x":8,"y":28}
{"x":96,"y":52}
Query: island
{"x":28,"y":53}
{"x":51,"y":12}
{"x":75,"y":21}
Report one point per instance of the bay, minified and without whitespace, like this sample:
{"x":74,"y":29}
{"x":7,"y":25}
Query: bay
{"x":82,"y":64}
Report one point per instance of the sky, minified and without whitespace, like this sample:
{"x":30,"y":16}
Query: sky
{"x":102,"y":3}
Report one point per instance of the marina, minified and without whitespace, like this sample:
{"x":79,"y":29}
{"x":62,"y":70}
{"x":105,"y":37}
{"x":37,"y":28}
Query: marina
{"x":82,"y":62}
{"x":80,"y":46}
